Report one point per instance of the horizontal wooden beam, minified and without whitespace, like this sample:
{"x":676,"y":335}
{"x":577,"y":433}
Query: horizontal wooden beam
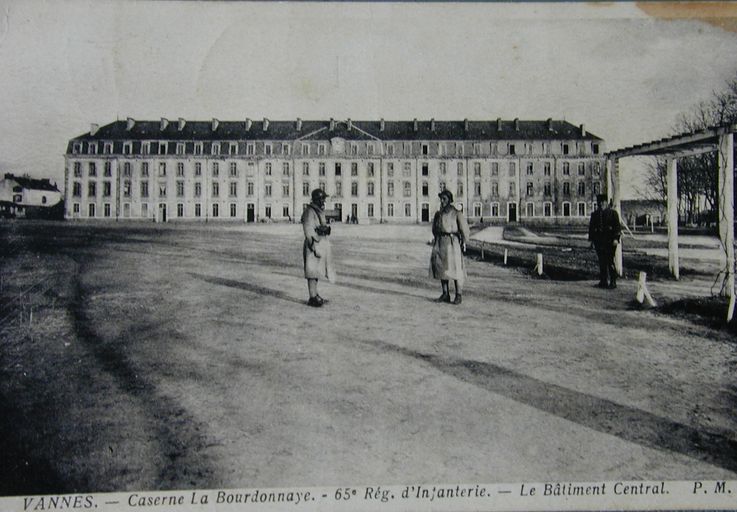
{"x":679,"y":145}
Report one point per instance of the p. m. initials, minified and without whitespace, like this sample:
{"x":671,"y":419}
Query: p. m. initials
{"x":719,"y":488}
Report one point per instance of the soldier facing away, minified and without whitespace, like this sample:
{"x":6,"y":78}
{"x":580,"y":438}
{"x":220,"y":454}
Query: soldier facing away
{"x":604,"y":234}
{"x":450,"y":232}
{"x":316,"y":250}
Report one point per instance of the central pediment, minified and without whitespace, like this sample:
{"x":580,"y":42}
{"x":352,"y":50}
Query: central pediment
{"x":337,"y":145}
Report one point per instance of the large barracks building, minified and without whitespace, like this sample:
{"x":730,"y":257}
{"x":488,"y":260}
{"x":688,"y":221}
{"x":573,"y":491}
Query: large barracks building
{"x":373,"y":171}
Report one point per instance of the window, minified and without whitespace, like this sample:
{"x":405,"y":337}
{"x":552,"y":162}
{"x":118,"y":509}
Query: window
{"x":354,"y":149}
{"x":547,"y":189}
{"x":163,"y":148}
{"x":91,"y":189}
{"x":305,"y":189}
{"x":566,"y":169}
{"x":144,"y":210}
{"x":595,"y":148}
{"x":338,"y":188}
{"x":92,"y":148}
{"x":407,"y":148}
{"x":250,"y":149}
{"x":107,"y":189}
{"x":162,"y":169}
{"x":477,"y":149}
{"x":441,"y":186}
{"x":127,"y":169}
{"x":581,"y":209}
{"x":198,"y":148}
{"x":546,"y":169}
{"x":548,"y":209}
{"x":370,"y":188}
{"x":495,"y":168}
{"x":197,"y":189}
{"x":530,"y":189}
{"x":198,"y":169}
{"x":460,"y":189}
{"x":77,"y":170}
{"x":407,"y":172}
{"x":285,"y":211}
{"x":285,"y":169}
{"x":127,"y":148}
{"x":530,"y":209}
{"x":215,"y":210}
{"x":76,"y":148}
{"x":442,"y":168}
{"x":581,"y":169}
{"x":512,"y":189}
{"x":233,"y":169}
{"x":267,"y":211}
{"x":215,"y":148}
{"x":407,"y":189}
{"x":162,"y":189}
{"x":390,"y":149}
{"x":581,"y":188}
{"x":216,"y":169}
{"x":267,"y":149}
{"x":595,"y":188}
{"x":249,"y":188}
{"x":285,"y":189}
{"x":530,"y":169}
{"x":477,"y":189}
{"x":390,"y":189}
{"x":106,"y":209}
{"x":321,"y":185}
{"x":595,"y":169}
{"x":512,"y":149}
{"x":425,"y":189}
{"x":305,"y":149}
{"x":91,"y":210}
{"x":126,"y":209}
{"x":321,"y":149}
{"x":390,"y":169}
{"x":180,"y":210}
{"x":354,"y":188}
{"x":566,"y":189}
{"x":267,"y":169}
{"x":233,"y":210}
{"x":180,"y":149}
{"x":215,"y":189}
{"x":370,"y":210}
{"x":390,"y":210}
{"x":407,"y":210}
{"x":370,"y":169}
{"x":512,"y":169}
{"x":354,"y":169}
{"x":460,"y":168}
{"x":566,"y":209}
{"x":108,"y":169}
{"x":477,"y":169}
{"x":477,"y":209}
{"x":305,"y":168}
{"x":338,"y":169}
{"x":369,"y":148}
{"x":232,"y":148}
{"x":495,"y":209}
{"x":233,"y":189}
{"x":267,"y":189}
{"x":92,"y":169}
{"x":425,"y":149}
{"x":144,"y":189}
{"x":77,"y":189}
{"x":495,"y":189}
{"x":321,"y":168}
{"x":198,"y":210}
{"x":180,"y":169}
{"x":565,"y":149}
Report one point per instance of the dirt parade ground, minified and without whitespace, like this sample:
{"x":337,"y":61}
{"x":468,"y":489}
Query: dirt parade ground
{"x":138,"y":357}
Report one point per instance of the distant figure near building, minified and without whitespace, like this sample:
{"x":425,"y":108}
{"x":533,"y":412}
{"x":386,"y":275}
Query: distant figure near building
{"x":604,"y":234}
{"x":450,"y":232}
{"x":316,"y":248}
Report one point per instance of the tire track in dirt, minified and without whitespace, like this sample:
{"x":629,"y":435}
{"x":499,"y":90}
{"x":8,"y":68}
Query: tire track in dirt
{"x":600,"y":414}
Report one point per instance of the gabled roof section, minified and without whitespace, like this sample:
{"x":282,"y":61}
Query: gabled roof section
{"x":31,"y":183}
{"x":357,"y":130}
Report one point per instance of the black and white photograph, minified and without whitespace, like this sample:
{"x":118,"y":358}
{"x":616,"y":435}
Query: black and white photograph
{"x":367,"y":255}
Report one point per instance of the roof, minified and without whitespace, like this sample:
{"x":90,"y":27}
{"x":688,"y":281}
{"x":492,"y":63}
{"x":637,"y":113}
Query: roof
{"x":682,"y":144}
{"x":356,"y":130}
{"x":31,"y":183}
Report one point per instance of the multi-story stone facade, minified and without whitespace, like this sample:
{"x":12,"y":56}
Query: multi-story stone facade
{"x":376,"y":171}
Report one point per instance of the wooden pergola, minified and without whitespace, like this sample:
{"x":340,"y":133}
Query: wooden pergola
{"x":718,"y":139}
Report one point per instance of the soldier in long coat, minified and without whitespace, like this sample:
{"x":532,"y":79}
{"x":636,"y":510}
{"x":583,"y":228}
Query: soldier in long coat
{"x":604,"y":233}
{"x":316,"y":247}
{"x":450,"y":233}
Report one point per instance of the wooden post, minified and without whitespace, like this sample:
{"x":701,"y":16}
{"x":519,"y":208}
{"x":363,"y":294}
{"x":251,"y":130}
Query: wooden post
{"x":642,"y":291}
{"x":672,"y":182}
{"x":482,"y":252}
{"x":539,"y":266}
{"x":617,"y":205}
{"x":725,"y":195}
{"x":505,"y":256}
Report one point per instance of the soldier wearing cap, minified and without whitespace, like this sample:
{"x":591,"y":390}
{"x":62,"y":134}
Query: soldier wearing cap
{"x":450,"y":232}
{"x":316,"y":248}
{"x":604,"y":234}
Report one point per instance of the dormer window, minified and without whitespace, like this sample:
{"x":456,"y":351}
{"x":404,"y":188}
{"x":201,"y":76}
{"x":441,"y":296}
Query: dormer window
{"x":108,"y":148}
{"x":92,"y":148}
{"x":180,"y":148}
{"x":198,"y":148}
{"x":233,"y":148}
{"x":145,"y":148}
{"x":162,"y":148}
{"x":251,"y":149}
{"x":127,"y":148}
{"x":215,"y":150}
{"x":285,"y":149}
{"x":76,"y":148}
{"x":267,"y":149}
{"x":305,"y":149}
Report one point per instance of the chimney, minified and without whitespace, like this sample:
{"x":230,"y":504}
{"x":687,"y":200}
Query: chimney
{"x":465,"y":124}
{"x":414,"y":124}
{"x":550,"y":124}
{"x":332,"y":124}
{"x":432,"y":125}
{"x":299,"y":124}
{"x":266,"y":124}
{"x":93,"y":128}
{"x":516,"y":124}
{"x":498,"y":124}
{"x":130,"y":123}
{"x":248,"y":124}
{"x":583,"y":131}
{"x":382,"y":125}
{"x":350,"y":124}
{"x":164,"y":124}
{"x":181,"y":123}
{"x":215,"y":124}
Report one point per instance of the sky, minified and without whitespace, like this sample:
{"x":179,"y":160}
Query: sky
{"x":622,"y":73}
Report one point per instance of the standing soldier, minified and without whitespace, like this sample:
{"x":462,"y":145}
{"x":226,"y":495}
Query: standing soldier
{"x":316,"y":248}
{"x":604,"y":234}
{"x":450,"y":232}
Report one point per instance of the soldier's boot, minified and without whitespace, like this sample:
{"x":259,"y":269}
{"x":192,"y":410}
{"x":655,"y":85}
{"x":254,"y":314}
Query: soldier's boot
{"x":458,"y":299}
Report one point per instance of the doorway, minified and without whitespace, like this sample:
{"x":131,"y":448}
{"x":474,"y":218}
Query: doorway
{"x":250,"y":213}
{"x":512,"y":212}
{"x":162,"y":212}
{"x":425,"y":212}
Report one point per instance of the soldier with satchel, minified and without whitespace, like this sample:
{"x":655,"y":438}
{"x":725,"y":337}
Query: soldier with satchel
{"x":316,"y":250}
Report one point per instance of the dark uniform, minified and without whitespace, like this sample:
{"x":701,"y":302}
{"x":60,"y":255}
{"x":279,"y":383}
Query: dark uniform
{"x":605,"y":232}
